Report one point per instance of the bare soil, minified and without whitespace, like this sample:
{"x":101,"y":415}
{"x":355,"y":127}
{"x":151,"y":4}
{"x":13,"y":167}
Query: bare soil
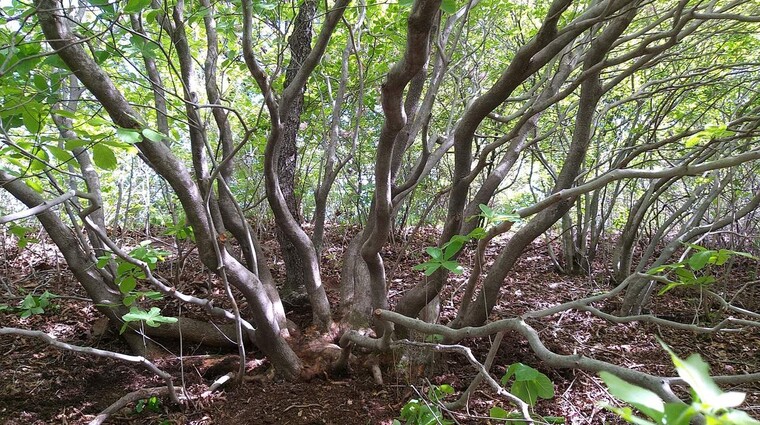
{"x":40,"y":384}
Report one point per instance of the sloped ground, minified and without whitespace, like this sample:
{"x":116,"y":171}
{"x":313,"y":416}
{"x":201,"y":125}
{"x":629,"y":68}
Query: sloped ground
{"x":39,"y":384}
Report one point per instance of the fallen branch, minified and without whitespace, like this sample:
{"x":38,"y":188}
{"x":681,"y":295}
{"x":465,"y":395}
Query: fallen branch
{"x":132,"y":397}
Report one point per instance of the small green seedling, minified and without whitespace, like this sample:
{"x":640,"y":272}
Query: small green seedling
{"x":35,"y":304}
{"x":22,"y":233}
{"x":426,"y":412}
{"x":153,"y":404}
{"x":127,"y":274}
{"x":152,"y":318}
{"x":529,"y":385}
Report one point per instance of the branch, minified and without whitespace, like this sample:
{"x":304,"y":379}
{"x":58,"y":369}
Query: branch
{"x":481,"y":370}
{"x":619,"y":174}
{"x":38,"y":209}
{"x":132,"y":397}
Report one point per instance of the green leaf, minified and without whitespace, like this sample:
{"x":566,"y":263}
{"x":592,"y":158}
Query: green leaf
{"x":127,"y":284}
{"x":487,"y":211}
{"x":434,"y":252}
{"x":498,"y":413}
{"x":627,"y":414}
{"x":405,"y":3}
{"x":135,"y":6}
{"x":477,"y":233}
{"x":31,"y":120}
{"x":59,"y":154}
{"x":152,"y":135}
{"x":738,"y":417}
{"x":453,"y":267}
{"x":678,"y":414}
{"x":103,"y":261}
{"x":696,"y":373}
{"x":646,"y":401}
{"x":524,"y":372}
{"x":63,"y":113}
{"x":545,"y":386}
{"x":453,"y":246}
{"x":103,"y":157}
{"x":449,"y":6}
{"x":699,"y":260}
{"x":152,"y":318}
{"x":128,"y":135}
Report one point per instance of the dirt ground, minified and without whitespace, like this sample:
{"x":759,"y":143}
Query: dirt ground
{"x":40,"y":384}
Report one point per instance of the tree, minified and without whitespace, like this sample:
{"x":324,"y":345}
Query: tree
{"x":619,"y":109}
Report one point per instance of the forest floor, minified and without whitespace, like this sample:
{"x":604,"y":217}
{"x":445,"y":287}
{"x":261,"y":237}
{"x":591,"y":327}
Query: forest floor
{"x":40,"y":384}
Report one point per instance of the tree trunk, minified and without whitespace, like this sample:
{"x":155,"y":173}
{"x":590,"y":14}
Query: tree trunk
{"x":300,"y":47}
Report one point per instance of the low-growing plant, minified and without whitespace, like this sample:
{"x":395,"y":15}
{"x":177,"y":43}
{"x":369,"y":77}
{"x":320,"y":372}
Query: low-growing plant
{"x":426,"y":411}
{"x":529,"y":385}
{"x":152,"y":318}
{"x":127,"y":274}
{"x":443,"y":257}
{"x":35,"y":304}
{"x":693,"y":270}
{"x":708,"y":400}
{"x":152,"y":403}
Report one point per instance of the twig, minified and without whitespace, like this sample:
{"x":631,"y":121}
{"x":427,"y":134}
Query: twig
{"x":38,"y":209}
{"x":482,"y":371}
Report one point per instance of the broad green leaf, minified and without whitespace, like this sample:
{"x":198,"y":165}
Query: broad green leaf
{"x":429,"y":267}
{"x":525,"y":391}
{"x":71,"y":144}
{"x":152,"y":318}
{"x":135,"y":6}
{"x":477,"y":233}
{"x":127,"y":284}
{"x":128,"y":135}
{"x":60,"y":154}
{"x":696,"y":373}
{"x":643,"y":399}
{"x":686,"y":276}
{"x":627,"y":414}
{"x":487,"y":211}
{"x":738,"y":417}
{"x":434,"y":252}
{"x":545,"y":386}
{"x":63,"y":113}
{"x":678,"y":414}
{"x":699,"y":260}
{"x":31,"y":119}
{"x":453,"y":267}
{"x":152,"y":135}
{"x":498,"y":413}
{"x":524,"y":372}
{"x":405,"y":3}
{"x":103,"y":261}
{"x":449,"y":6}
{"x":103,"y":157}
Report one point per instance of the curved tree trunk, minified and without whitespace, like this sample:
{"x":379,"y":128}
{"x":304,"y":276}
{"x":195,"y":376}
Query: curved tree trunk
{"x":591,"y":93}
{"x":50,"y":14}
{"x":300,"y":47}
